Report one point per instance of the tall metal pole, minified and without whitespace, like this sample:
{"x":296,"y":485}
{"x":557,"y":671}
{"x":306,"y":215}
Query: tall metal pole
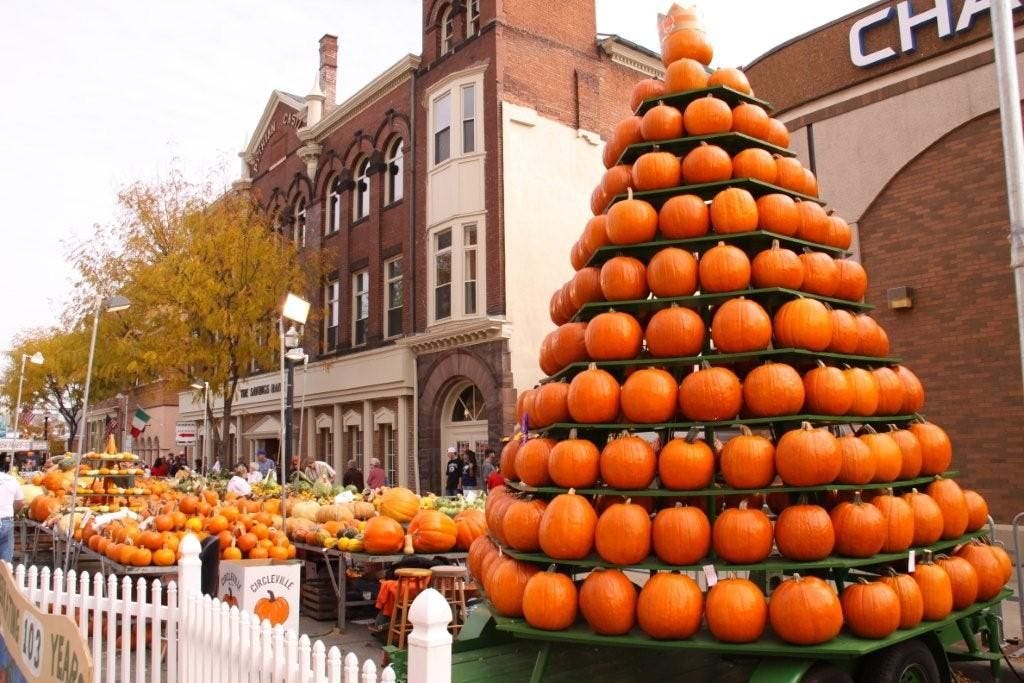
{"x":81,"y":434}
{"x":1013,"y":147}
{"x":289,"y":415}
{"x":280,"y":450}
{"x":17,"y":407}
{"x":204,"y":462}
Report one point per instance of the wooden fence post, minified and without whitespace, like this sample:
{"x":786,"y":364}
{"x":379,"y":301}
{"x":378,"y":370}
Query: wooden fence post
{"x":430,"y":643}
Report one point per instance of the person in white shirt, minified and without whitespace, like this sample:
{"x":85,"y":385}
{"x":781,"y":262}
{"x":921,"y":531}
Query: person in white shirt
{"x":237,"y":484}
{"x":254,"y":473}
{"x":11,"y":500}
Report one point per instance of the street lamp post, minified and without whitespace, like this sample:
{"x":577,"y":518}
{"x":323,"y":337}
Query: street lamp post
{"x":112,"y":304}
{"x":205,"y":386}
{"x":295,"y":309}
{"x":37,"y":359}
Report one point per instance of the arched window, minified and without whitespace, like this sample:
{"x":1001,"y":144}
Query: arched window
{"x":469,"y":406}
{"x":472,"y":18}
{"x":299,"y":223}
{"x":447,"y":30}
{"x":333,"y":207}
{"x":393,"y":179}
{"x":361,"y":192}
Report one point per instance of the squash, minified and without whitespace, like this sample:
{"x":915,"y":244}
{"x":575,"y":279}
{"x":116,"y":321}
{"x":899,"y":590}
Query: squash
{"x":338,"y":512}
{"x":399,"y":504}
{"x":303,"y":509}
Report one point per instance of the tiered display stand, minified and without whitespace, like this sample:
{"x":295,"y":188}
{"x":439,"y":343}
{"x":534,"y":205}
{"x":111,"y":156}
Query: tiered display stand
{"x":977,"y":627}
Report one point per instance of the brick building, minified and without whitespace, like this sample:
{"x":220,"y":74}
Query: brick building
{"x":158,"y":399}
{"x":444,"y":195}
{"x":895,"y":108}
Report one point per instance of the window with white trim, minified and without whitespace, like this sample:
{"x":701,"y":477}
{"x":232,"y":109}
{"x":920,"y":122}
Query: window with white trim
{"x":394,"y":181}
{"x":447,"y":29}
{"x":332,"y":301}
{"x":443,"y":274}
{"x":360,"y":307}
{"x":457,"y":272}
{"x":393,"y":297}
{"x":442,"y":128}
{"x":455,"y":120}
{"x":326,"y":445}
{"x":355,"y":436}
{"x":332,"y":209}
{"x":299,"y":223}
{"x":390,"y":467}
{"x":473,"y":18}
{"x":468,"y":118}
{"x":361,"y":191}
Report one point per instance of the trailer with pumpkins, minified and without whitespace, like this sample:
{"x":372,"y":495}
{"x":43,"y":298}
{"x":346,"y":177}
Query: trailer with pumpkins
{"x":726,"y":474}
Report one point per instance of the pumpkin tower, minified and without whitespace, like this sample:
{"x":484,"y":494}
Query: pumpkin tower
{"x":719,"y":401}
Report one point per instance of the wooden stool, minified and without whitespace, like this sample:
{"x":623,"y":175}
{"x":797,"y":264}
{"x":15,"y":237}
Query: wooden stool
{"x":410,"y":583}
{"x":450,"y":582}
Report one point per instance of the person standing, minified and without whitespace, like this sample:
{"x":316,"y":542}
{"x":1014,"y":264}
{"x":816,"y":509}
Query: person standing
{"x":488,"y":466}
{"x":353,"y":476}
{"x":453,"y":473}
{"x":377,"y":476}
{"x":469,"y":472}
{"x":318,"y":470}
{"x":265,"y":464}
{"x":11,"y":500}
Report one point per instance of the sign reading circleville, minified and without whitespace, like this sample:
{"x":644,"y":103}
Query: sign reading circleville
{"x":940,"y":17}
{"x":41,"y":647}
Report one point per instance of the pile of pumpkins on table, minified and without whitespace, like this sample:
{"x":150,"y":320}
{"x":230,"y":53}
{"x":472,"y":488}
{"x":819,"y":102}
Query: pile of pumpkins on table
{"x":395,"y":522}
{"x":50,"y":492}
{"x":676,"y":531}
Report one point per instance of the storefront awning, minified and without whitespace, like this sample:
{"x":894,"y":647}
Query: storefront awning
{"x":267,"y":428}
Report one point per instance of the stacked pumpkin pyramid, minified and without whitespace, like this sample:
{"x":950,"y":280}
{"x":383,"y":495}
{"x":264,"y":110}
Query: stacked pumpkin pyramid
{"x":718,"y":395}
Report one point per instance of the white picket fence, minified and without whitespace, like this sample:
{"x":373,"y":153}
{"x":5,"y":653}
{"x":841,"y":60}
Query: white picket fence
{"x":144,"y":632}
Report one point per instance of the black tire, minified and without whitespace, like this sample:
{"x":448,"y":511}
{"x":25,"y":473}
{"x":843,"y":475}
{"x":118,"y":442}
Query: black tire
{"x":892,"y":663}
{"x":822,"y":672}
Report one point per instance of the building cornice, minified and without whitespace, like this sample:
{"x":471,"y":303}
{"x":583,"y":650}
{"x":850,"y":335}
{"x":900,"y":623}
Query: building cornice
{"x":370,"y":93}
{"x":457,"y":333}
{"x":631,"y":57}
{"x":276,"y":97}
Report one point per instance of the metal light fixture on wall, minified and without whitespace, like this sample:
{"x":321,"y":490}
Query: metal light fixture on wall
{"x":900,"y":298}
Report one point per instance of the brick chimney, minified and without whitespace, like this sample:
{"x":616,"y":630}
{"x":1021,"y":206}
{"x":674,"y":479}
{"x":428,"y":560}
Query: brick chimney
{"x":329,"y":70}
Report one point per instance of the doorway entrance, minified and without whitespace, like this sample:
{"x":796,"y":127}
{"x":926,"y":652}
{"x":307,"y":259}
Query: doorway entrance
{"x":464,"y":423}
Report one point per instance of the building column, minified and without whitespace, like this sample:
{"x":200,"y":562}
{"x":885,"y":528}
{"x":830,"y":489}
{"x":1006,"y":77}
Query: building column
{"x":402,"y":440}
{"x":238,"y":440}
{"x":311,"y":443}
{"x":336,"y":435}
{"x":367,"y":435}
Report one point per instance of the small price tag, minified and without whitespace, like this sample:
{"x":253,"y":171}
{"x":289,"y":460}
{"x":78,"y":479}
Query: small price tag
{"x":912,"y":562}
{"x":710,"y":574}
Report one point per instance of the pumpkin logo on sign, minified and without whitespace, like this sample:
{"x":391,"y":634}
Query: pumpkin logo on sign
{"x":273,"y":609}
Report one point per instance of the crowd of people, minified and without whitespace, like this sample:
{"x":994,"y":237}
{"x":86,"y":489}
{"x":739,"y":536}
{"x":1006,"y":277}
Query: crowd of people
{"x":462,"y":473}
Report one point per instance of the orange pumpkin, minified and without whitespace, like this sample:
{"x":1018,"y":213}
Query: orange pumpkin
{"x":649,"y":396}
{"x":382,"y":536}
{"x":613,"y":336}
{"x":469,"y":525}
{"x":733,"y":210}
{"x":645,"y":89}
{"x":631,"y":221}
{"x":594,"y":396}
{"x":685,"y":74}
{"x":742,"y":536}
{"x":808,"y":457}
{"x":706,"y":164}
{"x":751,"y":120}
{"x":671,"y":272}
{"x":656,"y":171}
{"x":607,"y":600}
{"x":623,"y":534}
{"x":670,"y":606}
{"x":803,"y":324}
{"x":736,"y":611}
{"x":710,"y":394}
{"x":661,"y":122}
{"x":821,"y":275}
{"x":755,"y":163}
{"x":532,"y":462}
{"x":433,"y":531}
{"x":732,"y":78}
{"x":683,"y":216}
{"x":724,"y":268}
{"x":624,"y":278}
{"x":777,"y":267}
{"x":852,"y":280}
{"x":550,"y":601}
{"x":707,"y":115}
{"x":628,"y":462}
{"x":573,"y":463}
{"x":686,"y":464}
{"x":773,"y":389}
{"x":675,"y":332}
{"x":805,"y":611}
{"x":681,"y":535}
{"x":567,"y":527}
{"x":778,"y":135}
{"x":748,"y":460}
{"x":686,"y":43}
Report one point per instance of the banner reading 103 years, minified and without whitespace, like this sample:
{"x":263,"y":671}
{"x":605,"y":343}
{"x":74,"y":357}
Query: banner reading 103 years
{"x":35,"y":645}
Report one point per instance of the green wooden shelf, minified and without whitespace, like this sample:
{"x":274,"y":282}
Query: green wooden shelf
{"x":750,"y":242}
{"x":798,"y":357}
{"x":775,"y":563}
{"x":782,"y":420}
{"x":709,"y":190}
{"x":844,"y":646}
{"x":769,"y":297}
{"x":731,"y":142}
{"x":679,"y":100}
{"x":718,"y":491}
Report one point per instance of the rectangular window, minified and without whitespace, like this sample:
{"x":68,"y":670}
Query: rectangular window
{"x":360,"y":307}
{"x":469,"y":269}
{"x":443,"y":274}
{"x":442,"y":128}
{"x":355,"y":435}
{"x":393,"y":292}
{"x":473,"y":24}
{"x":331,"y":314}
{"x":333,"y":213}
{"x":390,"y":460}
{"x":326,"y":445}
{"x":300,"y":227}
{"x":468,"y":118}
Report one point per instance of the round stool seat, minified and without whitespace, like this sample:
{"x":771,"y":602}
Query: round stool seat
{"x":452,"y":571}
{"x":412,"y":573}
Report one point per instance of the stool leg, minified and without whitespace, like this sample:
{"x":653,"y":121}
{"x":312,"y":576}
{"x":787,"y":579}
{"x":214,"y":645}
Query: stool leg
{"x":393,"y":624}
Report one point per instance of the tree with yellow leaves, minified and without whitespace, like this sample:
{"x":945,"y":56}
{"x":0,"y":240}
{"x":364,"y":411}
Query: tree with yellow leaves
{"x":206,"y":276}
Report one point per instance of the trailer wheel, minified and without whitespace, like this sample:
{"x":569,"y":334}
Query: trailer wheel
{"x":823,"y":672}
{"x":907,"y":662}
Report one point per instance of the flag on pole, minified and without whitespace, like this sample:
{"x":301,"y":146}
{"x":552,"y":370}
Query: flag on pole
{"x":112,"y":423}
{"x":26,"y":417}
{"x":139,"y":421}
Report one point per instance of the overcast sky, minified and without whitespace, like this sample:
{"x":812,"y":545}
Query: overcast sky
{"x":100,"y":93}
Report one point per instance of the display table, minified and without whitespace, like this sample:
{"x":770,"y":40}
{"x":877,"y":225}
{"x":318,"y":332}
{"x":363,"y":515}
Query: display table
{"x":108,"y":567}
{"x":337,"y":561}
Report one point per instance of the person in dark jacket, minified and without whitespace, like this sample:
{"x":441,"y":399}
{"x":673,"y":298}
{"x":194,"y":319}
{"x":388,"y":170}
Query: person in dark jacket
{"x":353,"y":476}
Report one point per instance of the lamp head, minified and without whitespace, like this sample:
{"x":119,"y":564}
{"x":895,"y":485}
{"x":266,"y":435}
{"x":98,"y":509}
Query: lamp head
{"x":295,"y":354}
{"x":36,"y":358}
{"x":198,"y":385}
{"x":116,"y":303}
{"x":295,"y":309}
{"x":291,"y":337}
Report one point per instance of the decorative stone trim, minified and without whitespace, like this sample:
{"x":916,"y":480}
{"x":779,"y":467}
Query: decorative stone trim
{"x":631,"y":58}
{"x":457,"y":333}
